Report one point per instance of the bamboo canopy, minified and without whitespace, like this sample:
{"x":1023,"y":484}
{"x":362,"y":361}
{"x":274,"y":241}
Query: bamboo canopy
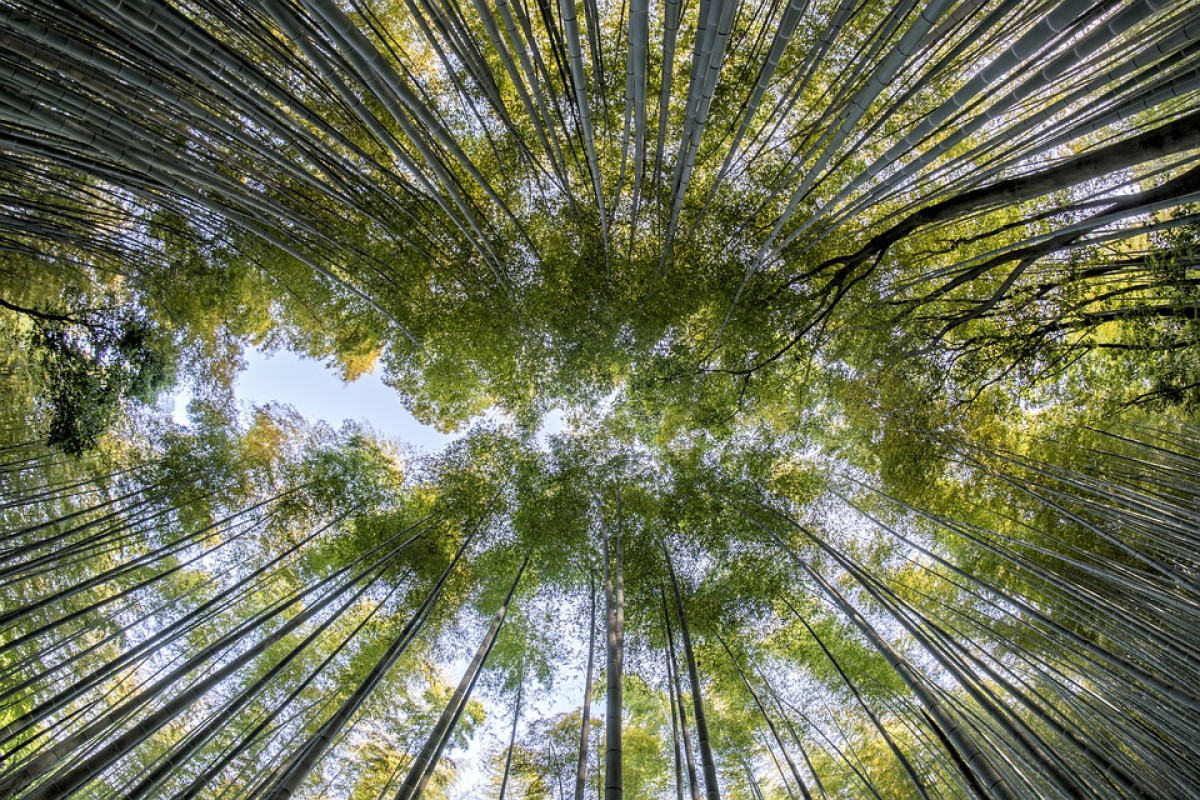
{"x":693,"y":212}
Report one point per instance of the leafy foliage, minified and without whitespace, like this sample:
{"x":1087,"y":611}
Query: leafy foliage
{"x":873,"y":327}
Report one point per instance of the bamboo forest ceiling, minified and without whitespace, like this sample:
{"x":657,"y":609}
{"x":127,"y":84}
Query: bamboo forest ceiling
{"x":874,"y":328}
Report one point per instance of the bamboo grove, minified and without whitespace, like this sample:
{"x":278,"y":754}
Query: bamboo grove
{"x":875,"y":325}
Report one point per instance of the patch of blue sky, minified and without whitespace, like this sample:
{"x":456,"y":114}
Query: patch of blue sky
{"x":316,"y":392}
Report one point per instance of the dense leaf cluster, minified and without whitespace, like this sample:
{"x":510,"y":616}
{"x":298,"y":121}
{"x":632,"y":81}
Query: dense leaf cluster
{"x":873,"y":326}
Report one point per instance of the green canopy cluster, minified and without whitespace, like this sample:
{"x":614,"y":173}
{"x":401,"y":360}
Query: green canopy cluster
{"x":874,"y":326}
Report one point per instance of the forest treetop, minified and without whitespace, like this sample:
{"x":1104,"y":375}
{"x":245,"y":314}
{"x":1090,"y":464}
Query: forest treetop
{"x":876,"y":324}
{"x":719,"y":209}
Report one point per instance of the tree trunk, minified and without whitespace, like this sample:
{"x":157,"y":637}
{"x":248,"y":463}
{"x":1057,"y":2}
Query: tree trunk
{"x":671,"y":698}
{"x":689,"y":757}
{"x":904,"y":762}
{"x":988,"y":785}
{"x":512,"y":738}
{"x":201,"y":783}
{"x":1174,"y":137}
{"x":184,"y":749}
{"x":306,"y":757}
{"x":427,"y":760}
{"x":115,"y":749}
{"x":160,"y":638}
{"x":581,"y":768}
{"x":711,"y":789}
{"x":614,"y":592}
{"x":762,"y":710}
